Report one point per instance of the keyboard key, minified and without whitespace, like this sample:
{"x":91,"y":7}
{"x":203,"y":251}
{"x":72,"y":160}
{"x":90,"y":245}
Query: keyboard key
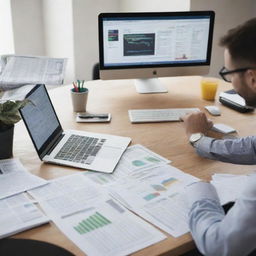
{"x":80,"y":149}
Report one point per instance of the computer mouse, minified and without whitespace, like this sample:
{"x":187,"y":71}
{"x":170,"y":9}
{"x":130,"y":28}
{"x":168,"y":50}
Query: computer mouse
{"x":213,"y":110}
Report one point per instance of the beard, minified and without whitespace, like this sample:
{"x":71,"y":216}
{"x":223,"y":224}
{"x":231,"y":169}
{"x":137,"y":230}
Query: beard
{"x":251,"y":102}
{"x":247,"y":94}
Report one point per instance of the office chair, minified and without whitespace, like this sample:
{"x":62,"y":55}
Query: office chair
{"x":27,"y":247}
{"x":96,"y":71}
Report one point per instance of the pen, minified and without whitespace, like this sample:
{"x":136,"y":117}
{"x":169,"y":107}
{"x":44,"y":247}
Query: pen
{"x":86,"y":116}
{"x":75,"y":87}
{"x":78,"y":82}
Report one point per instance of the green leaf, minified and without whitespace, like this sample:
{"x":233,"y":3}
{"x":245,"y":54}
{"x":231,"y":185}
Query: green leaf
{"x":9,"y":111}
{"x":10,"y":119}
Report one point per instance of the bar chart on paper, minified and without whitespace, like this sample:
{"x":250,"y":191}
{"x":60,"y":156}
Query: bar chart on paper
{"x":93,"y":222}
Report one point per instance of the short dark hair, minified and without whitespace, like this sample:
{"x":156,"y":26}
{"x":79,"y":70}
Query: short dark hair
{"x":241,"y":42}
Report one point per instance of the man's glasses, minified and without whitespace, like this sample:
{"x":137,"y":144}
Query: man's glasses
{"x":226,"y":74}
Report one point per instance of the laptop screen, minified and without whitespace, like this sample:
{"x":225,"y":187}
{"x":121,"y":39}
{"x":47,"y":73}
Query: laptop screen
{"x":40,"y":118}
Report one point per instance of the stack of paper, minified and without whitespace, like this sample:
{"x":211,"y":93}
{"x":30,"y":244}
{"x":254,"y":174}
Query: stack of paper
{"x":21,"y":70}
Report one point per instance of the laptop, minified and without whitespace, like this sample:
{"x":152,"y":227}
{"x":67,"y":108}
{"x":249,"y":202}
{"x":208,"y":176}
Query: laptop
{"x":86,"y":150}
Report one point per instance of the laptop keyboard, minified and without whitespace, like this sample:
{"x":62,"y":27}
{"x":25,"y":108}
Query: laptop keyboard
{"x":80,"y":149}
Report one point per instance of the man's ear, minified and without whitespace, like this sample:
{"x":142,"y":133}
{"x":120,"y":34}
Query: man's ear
{"x":251,"y":79}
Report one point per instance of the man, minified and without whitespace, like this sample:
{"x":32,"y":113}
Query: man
{"x":214,"y":232}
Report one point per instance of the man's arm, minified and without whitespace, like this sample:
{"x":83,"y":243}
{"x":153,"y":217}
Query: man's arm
{"x":238,"y":151}
{"x":216,"y":233}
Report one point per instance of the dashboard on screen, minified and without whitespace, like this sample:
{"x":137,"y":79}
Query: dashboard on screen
{"x":145,"y":45}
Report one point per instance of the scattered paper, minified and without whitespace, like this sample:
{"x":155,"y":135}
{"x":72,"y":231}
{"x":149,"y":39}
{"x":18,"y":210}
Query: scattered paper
{"x":94,"y":221}
{"x":108,"y":229}
{"x":14,"y":178}
{"x":18,"y":213}
{"x":66,"y":195}
{"x":157,"y":195}
{"x":134,"y":160}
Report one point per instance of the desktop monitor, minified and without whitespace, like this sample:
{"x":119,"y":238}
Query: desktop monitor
{"x":145,"y":46}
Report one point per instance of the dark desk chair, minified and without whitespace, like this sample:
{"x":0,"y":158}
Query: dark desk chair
{"x":27,"y":247}
{"x":96,"y":71}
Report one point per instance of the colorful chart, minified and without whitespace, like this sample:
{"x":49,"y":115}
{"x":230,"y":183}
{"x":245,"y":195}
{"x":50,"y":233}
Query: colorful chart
{"x":91,"y":223}
{"x":151,"y":196}
{"x":138,"y":163}
{"x":152,"y":159}
{"x":168,"y":182}
{"x":158,"y":187}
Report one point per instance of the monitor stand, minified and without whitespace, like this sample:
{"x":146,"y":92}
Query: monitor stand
{"x":152,"y":85}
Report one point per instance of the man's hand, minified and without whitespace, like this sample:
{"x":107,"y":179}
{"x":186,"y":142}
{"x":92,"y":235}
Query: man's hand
{"x":196,"y":122}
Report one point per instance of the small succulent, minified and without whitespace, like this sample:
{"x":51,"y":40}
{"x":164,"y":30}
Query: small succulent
{"x":9,"y":112}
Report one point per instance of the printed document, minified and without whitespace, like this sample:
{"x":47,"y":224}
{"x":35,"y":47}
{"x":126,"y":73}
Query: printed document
{"x":14,"y":178}
{"x":157,"y":195}
{"x":135,"y":159}
{"x":105,"y":228}
{"x":17,"y":94}
{"x":66,"y":195}
{"x":18,"y":213}
{"x":93,"y":220}
{"x":20,"y":70}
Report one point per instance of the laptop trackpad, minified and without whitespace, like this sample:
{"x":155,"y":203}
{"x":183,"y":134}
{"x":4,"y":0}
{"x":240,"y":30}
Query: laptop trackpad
{"x":109,"y":154}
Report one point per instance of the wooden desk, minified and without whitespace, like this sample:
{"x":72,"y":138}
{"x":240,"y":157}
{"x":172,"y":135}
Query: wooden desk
{"x":166,"y":139}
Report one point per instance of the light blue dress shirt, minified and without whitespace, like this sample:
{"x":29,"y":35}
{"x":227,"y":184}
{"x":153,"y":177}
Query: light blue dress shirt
{"x":215,"y":233}
{"x":236,"y":151}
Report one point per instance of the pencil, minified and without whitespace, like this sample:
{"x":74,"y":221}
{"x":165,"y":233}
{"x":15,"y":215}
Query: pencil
{"x":75,"y":87}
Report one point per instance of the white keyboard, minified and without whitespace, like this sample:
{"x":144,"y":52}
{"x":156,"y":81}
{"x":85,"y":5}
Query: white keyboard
{"x":158,"y":115}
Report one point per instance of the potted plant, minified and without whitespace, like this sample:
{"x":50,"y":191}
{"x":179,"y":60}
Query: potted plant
{"x":9,"y":115}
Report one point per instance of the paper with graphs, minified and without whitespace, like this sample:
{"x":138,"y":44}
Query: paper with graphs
{"x":18,"y":213}
{"x":157,"y":196}
{"x":92,"y":219}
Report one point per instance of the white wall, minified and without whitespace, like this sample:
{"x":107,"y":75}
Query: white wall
{"x":28,"y":27}
{"x":229,"y":13}
{"x":58,"y":31}
{"x":6,"y":32}
{"x":154,"y":6}
{"x":86,"y":48}
{"x":44,"y":27}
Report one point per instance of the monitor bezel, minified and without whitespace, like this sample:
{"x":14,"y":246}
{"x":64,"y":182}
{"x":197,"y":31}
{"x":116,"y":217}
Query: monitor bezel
{"x":102,"y":16}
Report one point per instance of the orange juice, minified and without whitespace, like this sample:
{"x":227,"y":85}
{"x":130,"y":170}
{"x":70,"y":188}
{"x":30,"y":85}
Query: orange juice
{"x":209,"y":88}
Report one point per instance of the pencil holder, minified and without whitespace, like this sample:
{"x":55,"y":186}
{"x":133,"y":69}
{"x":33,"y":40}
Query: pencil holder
{"x":79,"y":99}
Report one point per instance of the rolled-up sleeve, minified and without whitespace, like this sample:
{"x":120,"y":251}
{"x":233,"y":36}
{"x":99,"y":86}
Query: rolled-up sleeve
{"x":216,"y":233}
{"x":237,"y":151}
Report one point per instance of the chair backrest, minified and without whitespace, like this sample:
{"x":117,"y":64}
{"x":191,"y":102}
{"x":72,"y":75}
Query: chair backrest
{"x":96,"y":71}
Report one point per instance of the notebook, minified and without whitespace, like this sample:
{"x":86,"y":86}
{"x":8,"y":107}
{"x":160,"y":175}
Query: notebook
{"x":86,"y":150}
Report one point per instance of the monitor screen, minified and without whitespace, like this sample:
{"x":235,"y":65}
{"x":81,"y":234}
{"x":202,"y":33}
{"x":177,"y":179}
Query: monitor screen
{"x":147,"y":45}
